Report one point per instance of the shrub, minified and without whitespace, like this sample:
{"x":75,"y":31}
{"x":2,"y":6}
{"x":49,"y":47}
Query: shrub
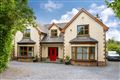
{"x":5,"y":50}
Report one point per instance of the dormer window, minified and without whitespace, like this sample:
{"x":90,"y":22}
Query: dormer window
{"x":26,"y":33}
{"x":83,"y":30}
{"x":54,"y":33}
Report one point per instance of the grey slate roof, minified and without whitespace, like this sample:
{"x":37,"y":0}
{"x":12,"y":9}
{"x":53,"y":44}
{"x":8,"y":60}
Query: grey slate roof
{"x":83,"y":39}
{"x":42,"y":28}
{"x":60,"y":25}
{"x":26,"y":41}
{"x":48,"y":39}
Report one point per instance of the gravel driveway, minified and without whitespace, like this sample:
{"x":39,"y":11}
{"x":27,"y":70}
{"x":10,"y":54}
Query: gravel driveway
{"x":51,"y":71}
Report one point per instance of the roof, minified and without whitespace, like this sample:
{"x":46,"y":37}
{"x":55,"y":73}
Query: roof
{"x":83,"y":39}
{"x":90,"y":15}
{"x":26,"y":41}
{"x":42,"y":28}
{"x":48,"y":39}
{"x":60,"y":25}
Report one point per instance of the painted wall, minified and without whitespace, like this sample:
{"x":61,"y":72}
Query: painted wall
{"x":34,"y":35}
{"x":95,"y":30}
{"x":54,"y":27}
{"x":45,"y":50}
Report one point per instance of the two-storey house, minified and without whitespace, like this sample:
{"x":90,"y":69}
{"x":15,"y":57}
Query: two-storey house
{"x":83,"y":39}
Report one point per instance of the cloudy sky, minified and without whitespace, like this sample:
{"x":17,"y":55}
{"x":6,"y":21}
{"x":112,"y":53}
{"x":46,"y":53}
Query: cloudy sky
{"x":48,"y":11}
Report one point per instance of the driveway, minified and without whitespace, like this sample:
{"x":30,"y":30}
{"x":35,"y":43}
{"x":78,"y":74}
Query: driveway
{"x":52,"y":71}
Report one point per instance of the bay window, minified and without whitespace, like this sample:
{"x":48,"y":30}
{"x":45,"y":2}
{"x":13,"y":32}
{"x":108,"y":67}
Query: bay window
{"x":26,"y":51}
{"x":83,"y":53}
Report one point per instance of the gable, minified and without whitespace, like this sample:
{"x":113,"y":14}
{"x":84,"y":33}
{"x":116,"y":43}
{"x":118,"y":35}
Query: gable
{"x":90,"y":15}
{"x":52,"y":25}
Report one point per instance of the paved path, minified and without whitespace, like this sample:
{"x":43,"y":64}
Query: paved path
{"x":51,"y":71}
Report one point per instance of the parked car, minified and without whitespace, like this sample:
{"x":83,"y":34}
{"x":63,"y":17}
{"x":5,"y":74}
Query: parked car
{"x":113,"y":56}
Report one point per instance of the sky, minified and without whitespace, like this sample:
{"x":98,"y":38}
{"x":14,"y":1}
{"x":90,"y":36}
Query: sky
{"x":59,"y":11}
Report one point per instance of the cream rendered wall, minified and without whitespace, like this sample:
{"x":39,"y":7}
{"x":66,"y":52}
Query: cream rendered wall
{"x":54,"y":27}
{"x":18,"y":37}
{"x":45,"y":50}
{"x":95,"y":30}
{"x":33,"y":35}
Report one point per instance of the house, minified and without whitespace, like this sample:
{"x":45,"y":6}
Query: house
{"x":83,"y":39}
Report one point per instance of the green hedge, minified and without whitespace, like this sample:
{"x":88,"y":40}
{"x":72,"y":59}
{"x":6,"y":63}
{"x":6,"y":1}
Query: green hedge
{"x":113,"y":45}
{"x":5,"y":48}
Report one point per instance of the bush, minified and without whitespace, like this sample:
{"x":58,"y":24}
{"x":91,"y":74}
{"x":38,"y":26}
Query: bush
{"x":118,"y":50}
{"x":5,"y":50}
{"x":113,"y":45}
{"x":67,"y":60}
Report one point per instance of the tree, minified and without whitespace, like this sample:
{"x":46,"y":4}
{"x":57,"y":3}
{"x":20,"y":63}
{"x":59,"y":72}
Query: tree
{"x":113,"y":45}
{"x":14,"y":14}
{"x":115,"y":5}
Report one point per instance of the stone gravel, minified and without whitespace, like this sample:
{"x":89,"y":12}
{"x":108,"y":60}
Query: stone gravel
{"x":52,"y":71}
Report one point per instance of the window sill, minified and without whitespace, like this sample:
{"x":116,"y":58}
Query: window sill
{"x":25,"y":57}
{"x":54,"y":36}
{"x":78,"y":60}
{"x":83,"y":35}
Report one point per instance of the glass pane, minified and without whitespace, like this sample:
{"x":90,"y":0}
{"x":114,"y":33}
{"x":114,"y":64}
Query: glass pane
{"x":21,"y":51}
{"x":86,"y":31}
{"x":92,"y":55}
{"x":25,"y":54}
{"x":80,"y":30}
{"x":73,"y":52}
{"x":25,"y":49}
{"x":53,"y":33}
{"x":85,"y":53}
{"x":27,"y":33}
{"x":30,"y":52}
{"x":79,"y":53}
{"x":86,"y":27}
{"x":92,"y":49}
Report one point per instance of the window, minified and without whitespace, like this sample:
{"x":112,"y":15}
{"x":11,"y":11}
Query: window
{"x":27,"y":33}
{"x":82,"y":30}
{"x":26,"y":51}
{"x":83,"y":53}
{"x":54,"y":33}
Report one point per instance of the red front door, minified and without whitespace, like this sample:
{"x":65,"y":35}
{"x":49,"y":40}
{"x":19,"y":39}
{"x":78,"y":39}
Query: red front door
{"x":52,"y":53}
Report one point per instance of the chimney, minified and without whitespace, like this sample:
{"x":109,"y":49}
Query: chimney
{"x":98,"y":17}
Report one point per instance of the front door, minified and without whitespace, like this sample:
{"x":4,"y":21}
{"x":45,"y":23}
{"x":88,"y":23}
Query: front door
{"x":52,"y":53}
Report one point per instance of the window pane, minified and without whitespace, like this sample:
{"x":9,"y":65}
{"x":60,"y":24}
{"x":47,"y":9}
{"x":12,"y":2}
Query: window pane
{"x":92,"y":53}
{"x":54,"y":33}
{"x":27,"y":33}
{"x":85,"y":53}
{"x":80,"y":30}
{"x":25,"y":49}
{"x":25,"y":54}
{"x":30,"y":52}
{"x":73,"y":52}
{"x":21,"y":51}
{"x":86,"y":31}
{"x":79,"y":53}
{"x":86,"y":27}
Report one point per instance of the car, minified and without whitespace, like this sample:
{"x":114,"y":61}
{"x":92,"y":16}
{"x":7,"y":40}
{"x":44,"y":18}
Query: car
{"x":113,"y":56}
